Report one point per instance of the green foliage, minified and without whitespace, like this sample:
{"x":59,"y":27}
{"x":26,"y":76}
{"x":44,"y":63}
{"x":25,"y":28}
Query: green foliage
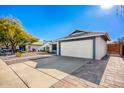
{"x":19,"y":54}
{"x":13,"y":34}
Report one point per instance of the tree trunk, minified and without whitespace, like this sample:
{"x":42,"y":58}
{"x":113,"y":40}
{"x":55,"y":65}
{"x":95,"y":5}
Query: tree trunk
{"x":13,"y":49}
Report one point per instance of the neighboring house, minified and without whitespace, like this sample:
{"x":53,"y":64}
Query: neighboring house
{"x":116,"y":48}
{"x":36,"y":46}
{"x":83,"y":44}
{"x":46,"y":46}
{"x":49,"y":46}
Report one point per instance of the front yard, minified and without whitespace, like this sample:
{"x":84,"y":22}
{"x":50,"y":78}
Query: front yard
{"x":10,"y":59}
{"x":56,"y":71}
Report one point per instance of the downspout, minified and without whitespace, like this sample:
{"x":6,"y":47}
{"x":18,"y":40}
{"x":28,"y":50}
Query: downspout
{"x":94,"y":47}
{"x":59,"y":48}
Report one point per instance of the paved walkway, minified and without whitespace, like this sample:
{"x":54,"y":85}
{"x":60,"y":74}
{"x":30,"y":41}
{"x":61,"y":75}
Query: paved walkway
{"x":114,"y":73}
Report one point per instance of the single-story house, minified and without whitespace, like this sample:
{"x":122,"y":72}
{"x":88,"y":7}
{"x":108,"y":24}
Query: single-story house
{"x":83,"y":44}
{"x":116,"y":48}
{"x":35,"y":47}
{"x":49,"y":46}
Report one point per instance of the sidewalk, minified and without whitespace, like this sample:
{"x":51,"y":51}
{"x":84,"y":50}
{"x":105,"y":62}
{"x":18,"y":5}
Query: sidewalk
{"x":8,"y":79}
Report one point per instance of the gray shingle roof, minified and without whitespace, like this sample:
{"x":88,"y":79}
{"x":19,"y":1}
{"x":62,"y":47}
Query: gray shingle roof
{"x":84,"y":34}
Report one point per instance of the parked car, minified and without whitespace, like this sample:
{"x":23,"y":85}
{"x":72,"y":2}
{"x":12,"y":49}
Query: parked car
{"x":5,"y":51}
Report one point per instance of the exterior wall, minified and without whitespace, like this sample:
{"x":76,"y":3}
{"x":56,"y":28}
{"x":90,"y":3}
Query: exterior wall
{"x":83,"y":48}
{"x":101,"y":47}
{"x":50,"y":48}
{"x":80,"y":48}
{"x":57,"y":48}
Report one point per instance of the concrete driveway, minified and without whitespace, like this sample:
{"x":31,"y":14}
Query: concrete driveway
{"x":57,"y":66}
{"x":52,"y":69}
{"x":90,"y":70}
{"x":44,"y":72}
{"x":64,"y":64}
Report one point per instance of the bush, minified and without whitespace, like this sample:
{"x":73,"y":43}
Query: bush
{"x":19,"y":54}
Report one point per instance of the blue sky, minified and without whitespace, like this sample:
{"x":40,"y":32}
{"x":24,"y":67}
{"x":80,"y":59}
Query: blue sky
{"x":52,"y":22}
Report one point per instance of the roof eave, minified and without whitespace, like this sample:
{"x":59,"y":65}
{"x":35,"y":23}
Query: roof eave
{"x":107,"y":36}
{"x":75,"y":38}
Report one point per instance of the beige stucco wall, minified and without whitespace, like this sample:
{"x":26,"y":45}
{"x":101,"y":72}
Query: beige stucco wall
{"x":101,"y":47}
{"x":81,"y":48}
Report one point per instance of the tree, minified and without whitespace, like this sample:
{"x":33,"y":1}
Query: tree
{"x":13,"y":34}
{"x":121,"y":40}
{"x":120,"y":10}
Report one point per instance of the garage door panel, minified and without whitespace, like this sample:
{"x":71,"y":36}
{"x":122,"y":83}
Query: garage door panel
{"x":82,"y":48}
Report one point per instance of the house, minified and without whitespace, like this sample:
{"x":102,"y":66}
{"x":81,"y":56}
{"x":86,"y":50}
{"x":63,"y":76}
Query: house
{"x":83,"y":44}
{"x":116,"y":48}
{"x":34,"y":47}
{"x":49,"y":46}
{"x":46,"y":46}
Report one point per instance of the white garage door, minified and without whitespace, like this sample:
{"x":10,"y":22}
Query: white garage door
{"x":82,"y":48}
